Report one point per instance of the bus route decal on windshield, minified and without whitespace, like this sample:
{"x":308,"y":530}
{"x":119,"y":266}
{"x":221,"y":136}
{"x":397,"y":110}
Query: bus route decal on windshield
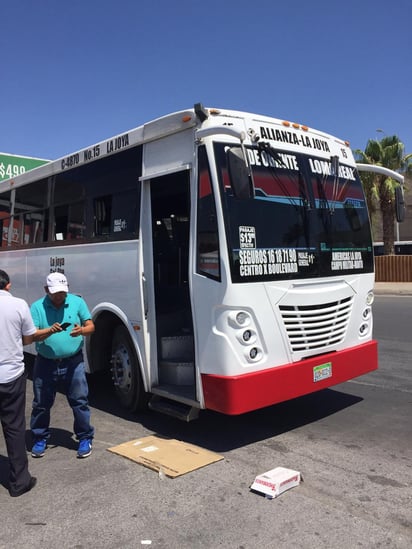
{"x":263,"y":261}
{"x":247,"y":237}
{"x":350,"y":260}
{"x":305,"y":258}
{"x":324,"y":167}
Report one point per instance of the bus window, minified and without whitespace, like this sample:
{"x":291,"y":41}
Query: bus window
{"x":4,"y":214}
{"x":29,"y":204}
{"x":14,"y":226}
{"x":98,"y":201}
{"x":124,"y":214}
{"x":4,"y":218}
{"x":102,"y":214}
{"x":35,"y":227}
{"x":208,"y":256}
{"x":69,"y":193}
{"x":76,"y":225}
{"x":116,"y":216}
{"x":69,"y":221}
{"x":68,"y":187}
{"x":7,"y":224}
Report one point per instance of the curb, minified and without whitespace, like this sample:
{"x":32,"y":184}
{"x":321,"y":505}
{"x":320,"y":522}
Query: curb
{"x":382,"y":288}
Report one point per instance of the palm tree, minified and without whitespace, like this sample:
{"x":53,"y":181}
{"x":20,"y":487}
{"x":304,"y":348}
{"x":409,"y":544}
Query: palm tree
{"x":389,"y":152}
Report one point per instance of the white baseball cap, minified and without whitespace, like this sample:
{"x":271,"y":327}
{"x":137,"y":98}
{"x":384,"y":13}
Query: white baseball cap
{"x":57,"y":282}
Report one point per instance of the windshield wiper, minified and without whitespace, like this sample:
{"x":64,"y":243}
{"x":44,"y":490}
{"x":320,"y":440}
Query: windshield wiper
{"x":265,"y":147}
{"x":300,"y":183}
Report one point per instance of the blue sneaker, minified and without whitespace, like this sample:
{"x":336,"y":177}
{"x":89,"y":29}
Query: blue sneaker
{"x":39,"y":447}
{"x":85,"y":448}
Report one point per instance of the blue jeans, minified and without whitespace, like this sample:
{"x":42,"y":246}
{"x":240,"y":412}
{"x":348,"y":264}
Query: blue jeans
{"x":70,"y":374}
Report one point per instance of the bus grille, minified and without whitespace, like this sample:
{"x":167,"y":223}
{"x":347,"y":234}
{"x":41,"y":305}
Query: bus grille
{"x":312,"y":327}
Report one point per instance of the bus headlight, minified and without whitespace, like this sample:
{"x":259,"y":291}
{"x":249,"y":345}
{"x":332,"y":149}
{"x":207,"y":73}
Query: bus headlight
{"x":247,"y":334}
{"x":242,"y":318}
{"x":363,"y":329}
{"x":247,"y":337}
{"x":239,"y":319}
{"x":367,"y":311}
{"x":370,"y":298}
{"x":255,"y":354}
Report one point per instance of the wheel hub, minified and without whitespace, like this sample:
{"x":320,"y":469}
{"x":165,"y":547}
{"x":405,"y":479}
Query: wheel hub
{"x":121,"y":369}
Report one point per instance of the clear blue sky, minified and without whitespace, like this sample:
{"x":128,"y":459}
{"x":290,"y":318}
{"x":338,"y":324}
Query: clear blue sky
{"x":77,"y":72}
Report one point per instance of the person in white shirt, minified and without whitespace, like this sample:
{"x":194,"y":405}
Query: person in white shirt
{"x":16,"y":329}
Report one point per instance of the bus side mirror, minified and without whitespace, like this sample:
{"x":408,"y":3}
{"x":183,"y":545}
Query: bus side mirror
{"x":399,"y":204}
{"x":240,"y":174}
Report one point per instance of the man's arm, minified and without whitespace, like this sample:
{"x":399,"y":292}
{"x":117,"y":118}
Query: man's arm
{"x":44,"y":333}
{"x":85,"y":330}
{"x":28,"y":328}
{"x":88,"y":327}
{"x":28,"y":339}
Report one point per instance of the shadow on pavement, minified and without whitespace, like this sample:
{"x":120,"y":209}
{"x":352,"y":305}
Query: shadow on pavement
{"x":58,"y":437}
{"x":219,"y":432}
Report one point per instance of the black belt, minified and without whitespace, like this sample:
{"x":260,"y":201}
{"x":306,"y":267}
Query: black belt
{"x":59,"y":360}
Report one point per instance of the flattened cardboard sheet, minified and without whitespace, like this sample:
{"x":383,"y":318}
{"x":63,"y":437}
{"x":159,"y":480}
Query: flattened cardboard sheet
{"x":171,"y":456}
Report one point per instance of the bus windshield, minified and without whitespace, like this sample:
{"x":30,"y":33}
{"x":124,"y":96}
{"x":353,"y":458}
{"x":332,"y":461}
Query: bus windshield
{"x":308,"y":218}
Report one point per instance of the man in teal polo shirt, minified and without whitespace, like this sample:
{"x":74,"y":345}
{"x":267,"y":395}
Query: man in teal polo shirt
{"x":62,"y":320}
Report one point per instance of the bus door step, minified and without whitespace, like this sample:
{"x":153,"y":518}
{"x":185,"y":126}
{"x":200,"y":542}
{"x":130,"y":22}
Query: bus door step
{"x":180,"y":346}
{"x":176,"y":372}
{"x":172,"y":408}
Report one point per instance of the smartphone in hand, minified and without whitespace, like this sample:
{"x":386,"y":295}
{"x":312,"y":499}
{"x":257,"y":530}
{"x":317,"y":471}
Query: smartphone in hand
{"x":65,"y":325}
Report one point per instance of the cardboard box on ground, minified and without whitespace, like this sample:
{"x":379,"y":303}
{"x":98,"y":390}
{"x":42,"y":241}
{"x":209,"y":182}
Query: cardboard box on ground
{"x":276,"y":481}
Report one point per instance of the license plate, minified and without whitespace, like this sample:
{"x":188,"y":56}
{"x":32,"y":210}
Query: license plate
{"x":322,"y":372}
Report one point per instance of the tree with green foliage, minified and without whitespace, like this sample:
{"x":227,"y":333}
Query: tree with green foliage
{"x":379,"y":189}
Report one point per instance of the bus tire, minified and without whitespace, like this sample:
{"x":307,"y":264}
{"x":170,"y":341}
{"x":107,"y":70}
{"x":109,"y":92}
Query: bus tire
{"x":126,"y":375}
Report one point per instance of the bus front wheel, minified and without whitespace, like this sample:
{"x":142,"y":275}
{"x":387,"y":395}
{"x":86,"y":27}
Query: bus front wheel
{"x":127,"y":379}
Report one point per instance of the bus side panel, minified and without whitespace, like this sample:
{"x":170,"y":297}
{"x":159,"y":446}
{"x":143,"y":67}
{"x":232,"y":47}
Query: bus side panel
{"x":239,"y":394}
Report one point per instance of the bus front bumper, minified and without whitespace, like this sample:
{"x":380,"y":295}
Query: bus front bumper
{"x":244,"y":393}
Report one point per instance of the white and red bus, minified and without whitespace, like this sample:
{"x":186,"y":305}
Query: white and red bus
{"x":226,"y":257}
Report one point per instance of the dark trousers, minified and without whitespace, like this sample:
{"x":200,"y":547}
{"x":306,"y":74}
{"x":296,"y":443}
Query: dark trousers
{"x":13,"y":422}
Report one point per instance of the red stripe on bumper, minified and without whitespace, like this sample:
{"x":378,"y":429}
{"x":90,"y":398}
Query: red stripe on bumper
{"x":247,"y":392}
